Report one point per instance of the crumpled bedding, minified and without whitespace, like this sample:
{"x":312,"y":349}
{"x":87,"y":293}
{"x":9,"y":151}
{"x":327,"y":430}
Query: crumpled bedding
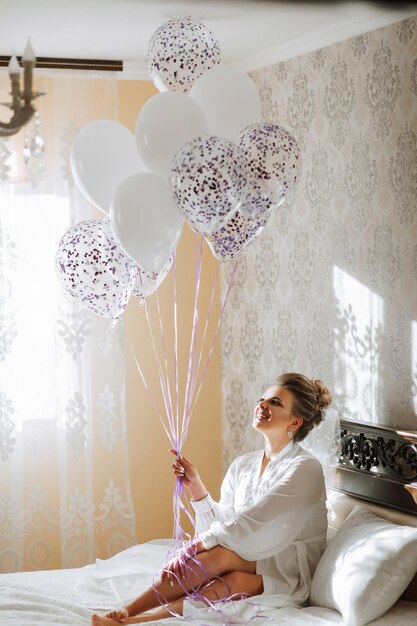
{"x":69,"y":597}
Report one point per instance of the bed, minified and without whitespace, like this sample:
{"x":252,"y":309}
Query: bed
{"x":367,"y":574}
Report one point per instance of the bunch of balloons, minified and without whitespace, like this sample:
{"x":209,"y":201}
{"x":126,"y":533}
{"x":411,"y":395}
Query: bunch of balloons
{"x":200,"y":154}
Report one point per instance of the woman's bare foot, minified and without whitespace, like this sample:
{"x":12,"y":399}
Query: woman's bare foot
{"x":97,"y":620}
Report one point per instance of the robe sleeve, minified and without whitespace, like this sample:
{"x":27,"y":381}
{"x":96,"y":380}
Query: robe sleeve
{"x":208,"y":510}
{"x":264,"y":529}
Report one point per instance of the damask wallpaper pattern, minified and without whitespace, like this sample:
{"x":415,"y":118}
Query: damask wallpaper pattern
{"x":330,"y":287}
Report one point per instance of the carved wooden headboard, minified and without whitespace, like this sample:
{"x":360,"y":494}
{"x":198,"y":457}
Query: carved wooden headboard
{"x":376,"y":461}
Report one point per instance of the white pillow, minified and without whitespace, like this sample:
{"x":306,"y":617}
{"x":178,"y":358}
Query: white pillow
{"x":365,"y":568}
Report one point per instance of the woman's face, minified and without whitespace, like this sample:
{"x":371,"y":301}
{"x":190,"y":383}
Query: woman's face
{"x":274,"y":411}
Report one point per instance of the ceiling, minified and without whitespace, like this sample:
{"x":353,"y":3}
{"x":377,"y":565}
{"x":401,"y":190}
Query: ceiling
{"x":251,"y":33}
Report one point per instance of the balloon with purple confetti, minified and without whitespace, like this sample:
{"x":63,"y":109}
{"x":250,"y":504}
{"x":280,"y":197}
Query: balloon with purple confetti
{"x":208,"y":180}
{"x":180,"y":51}
{"x":274,"y":164}
{"x":234,"y":236}
{"x":148,"y":282}
{"x":93,"y":268}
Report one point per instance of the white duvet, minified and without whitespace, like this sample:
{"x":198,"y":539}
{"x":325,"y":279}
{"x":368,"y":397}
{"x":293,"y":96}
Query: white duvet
{"x":68,"y":597}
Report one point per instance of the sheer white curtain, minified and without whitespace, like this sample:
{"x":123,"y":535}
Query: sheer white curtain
{"x":64,"y":484}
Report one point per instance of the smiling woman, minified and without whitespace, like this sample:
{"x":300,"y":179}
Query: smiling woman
{"x":273,"y":502}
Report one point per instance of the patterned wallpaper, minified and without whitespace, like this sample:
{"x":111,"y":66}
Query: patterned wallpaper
{"x":330,"y":287}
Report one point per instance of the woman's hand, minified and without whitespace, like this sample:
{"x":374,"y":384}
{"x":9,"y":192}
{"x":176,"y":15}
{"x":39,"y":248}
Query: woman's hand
{"x":176,"y":569}
{"x":189,"y":476}
{"x":119,"y":615}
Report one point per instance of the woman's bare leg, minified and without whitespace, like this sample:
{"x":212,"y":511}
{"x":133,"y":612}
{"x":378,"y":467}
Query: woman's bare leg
{"x":234,"y":583}
{"x":215,"y":562}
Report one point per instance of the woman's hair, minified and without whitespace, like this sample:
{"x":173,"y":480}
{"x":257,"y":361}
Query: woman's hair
{"x":310,"y":396}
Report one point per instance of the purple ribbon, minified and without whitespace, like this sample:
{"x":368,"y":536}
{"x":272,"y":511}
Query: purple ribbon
{"x":176,"y":428}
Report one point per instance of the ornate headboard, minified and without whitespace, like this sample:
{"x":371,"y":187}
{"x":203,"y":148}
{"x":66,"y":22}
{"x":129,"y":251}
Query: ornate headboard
{"x":375,"y":463}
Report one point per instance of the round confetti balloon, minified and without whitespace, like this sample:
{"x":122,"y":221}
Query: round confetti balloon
{"x":274,"y":164}
{"x":148,"y":282}
{"x":208,"y":180}
{"x":180,"y":51}
{"x":234,"y":236}
{"x":93,"y":268}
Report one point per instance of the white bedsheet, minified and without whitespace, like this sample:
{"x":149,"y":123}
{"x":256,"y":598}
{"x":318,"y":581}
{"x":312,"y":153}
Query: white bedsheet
{"x":68,"y":597}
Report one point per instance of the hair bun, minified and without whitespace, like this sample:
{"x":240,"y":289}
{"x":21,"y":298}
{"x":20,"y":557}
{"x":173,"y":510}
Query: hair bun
{"x":324,"y":397}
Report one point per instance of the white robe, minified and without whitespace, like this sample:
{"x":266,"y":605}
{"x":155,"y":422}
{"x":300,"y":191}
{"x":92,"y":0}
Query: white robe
{"x":278,"y":519}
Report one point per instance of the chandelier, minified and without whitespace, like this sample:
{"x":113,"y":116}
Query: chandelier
{"x":21,"y":104}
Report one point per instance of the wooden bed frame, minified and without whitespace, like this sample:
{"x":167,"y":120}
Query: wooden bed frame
{"x":375,"y":463}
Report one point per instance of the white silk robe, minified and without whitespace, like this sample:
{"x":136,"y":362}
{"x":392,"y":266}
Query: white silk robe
{"x":278,"y":519}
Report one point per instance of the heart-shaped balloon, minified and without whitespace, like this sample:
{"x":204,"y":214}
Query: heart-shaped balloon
{"x":146,"y":221}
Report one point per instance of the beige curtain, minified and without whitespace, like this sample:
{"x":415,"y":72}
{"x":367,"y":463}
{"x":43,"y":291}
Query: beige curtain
{"x":64,"y":488}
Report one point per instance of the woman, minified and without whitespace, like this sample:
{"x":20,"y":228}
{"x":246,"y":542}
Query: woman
{"x":266,"y":535}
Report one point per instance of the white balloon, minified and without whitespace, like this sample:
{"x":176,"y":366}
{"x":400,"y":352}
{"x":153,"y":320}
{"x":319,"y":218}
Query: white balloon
{"x":229,"y":100}
{"x":146,"y":221}
{"x":148,"y":282}
{"x":103,"y":154}
{"x":163,"y":125}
